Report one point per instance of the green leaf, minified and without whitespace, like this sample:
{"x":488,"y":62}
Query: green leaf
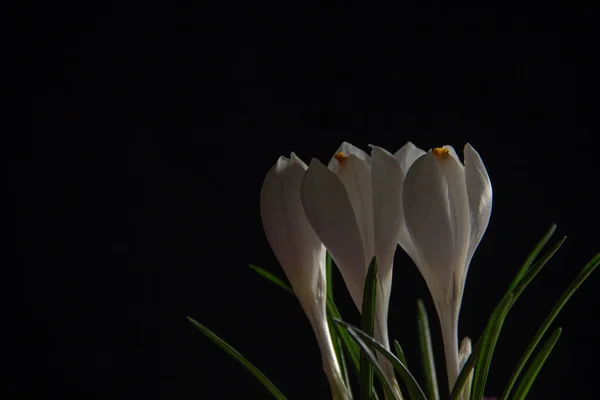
{"x":387,"y":387}
{"x":266,"y":274}
{"x":343,"y":365}
{"x":531,"y":257}
{"x":490,"y":337}
{"x":240,"y":358}
{"x":329,"y":279}
{"x":536,"y":365}
{"x":337,"y":347}
{"x":402,"y":358}
{"x":407,"y":377}
{"x":368,"y":325}
{"x":400,"y":353}
{"x":350,"y":347}
{"x":427,"y":360}
{"x":579,"y":279}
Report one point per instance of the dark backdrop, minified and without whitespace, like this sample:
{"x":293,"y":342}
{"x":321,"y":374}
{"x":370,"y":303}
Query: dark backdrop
{"x":135,"y":184}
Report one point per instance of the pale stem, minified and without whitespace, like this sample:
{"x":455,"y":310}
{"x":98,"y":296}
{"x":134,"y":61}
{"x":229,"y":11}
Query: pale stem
{"x":330,"y":364}
{"x":450,"y":337}
{"x":381,"y":332}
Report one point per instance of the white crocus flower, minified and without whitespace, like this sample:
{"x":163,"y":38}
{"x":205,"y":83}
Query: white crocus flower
{"x":300,"y":253}
{"x":347,"y":204}
{"x":447,"y":208}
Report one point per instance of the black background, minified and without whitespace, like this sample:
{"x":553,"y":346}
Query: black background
{"x":135,"y":183}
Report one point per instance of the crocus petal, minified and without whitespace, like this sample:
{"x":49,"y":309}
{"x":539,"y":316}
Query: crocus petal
{"x":347,"y":149}
{"x":355,"y":175}
{"x":453,"y":153}
{"x":328,"y":208}
{"x":297,"y":160}
{"x":427,"y":215}
{"x":460,"y":219}
{"x":479,"y":190}
{"x":293,"y":240}
{"x":407,"y":155}
{"x":386,"y":184}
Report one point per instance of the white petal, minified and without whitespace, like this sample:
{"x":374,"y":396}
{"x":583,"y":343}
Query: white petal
{"x":453,"y":154}
{"x":297,"y":159}
{"x":386,"y":185}
{"x":330,"y":213}
{"x":427,"y":215}
{"x":355,"y":174}
{"x":479,"y":189}
{"x":407,"y":155}
{"x":460,"y":219}
{"x":293,"y":240}
{"x":347,"y":149}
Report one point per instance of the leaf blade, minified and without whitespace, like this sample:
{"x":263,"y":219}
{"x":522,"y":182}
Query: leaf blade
{"x":269,"y":276}
{"x":532,"y":256}
{"x":426,"y":347}
{"x":404,"y":373}
{"x":368,"y":325}
{"x":575,"y":284}
{"x":536,"y":365}
{"x":240,"y":358}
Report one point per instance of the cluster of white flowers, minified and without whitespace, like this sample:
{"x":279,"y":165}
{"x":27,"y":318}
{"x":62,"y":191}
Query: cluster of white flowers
{"x":360,"y":206}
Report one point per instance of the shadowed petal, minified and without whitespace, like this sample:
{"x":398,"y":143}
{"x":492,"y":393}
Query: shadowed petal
{"x":331,"y":215}
{"x":427,"y":215}
{"x":355,"y":175}
{"x":479,"y":189}
{"x":347,"y":149}
{"x":386,"y":185}
{"x":407,"y":155}
{"x":293,"y":240}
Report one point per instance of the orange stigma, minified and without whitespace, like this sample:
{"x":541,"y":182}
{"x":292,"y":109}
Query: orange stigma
{"x":440,"y":153}
{"x":340,"y":157}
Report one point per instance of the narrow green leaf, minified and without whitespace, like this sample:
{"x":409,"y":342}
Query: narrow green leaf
{"x":490,"y":338}
{"x":531,"y":257}
{"x":350,"y":347}
{"x":368,"y":325}
{"x":402,"y":358}
{"x":337,"y":347}
{"x":534,"y":270}
{"x":536,"y":365}
{"x":241,"y":359}
{"x":400,"y":353}
{"x":404,"y":373}
{"x":581,"y":277}
{"x":266,"y":274}
{"x":343,"y":365}
{"x":427,"y":360}
{"x":329,"y":280}
{"x":387,"y":387}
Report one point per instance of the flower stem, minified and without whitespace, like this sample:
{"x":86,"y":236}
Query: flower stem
{"x":450,"y":337}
